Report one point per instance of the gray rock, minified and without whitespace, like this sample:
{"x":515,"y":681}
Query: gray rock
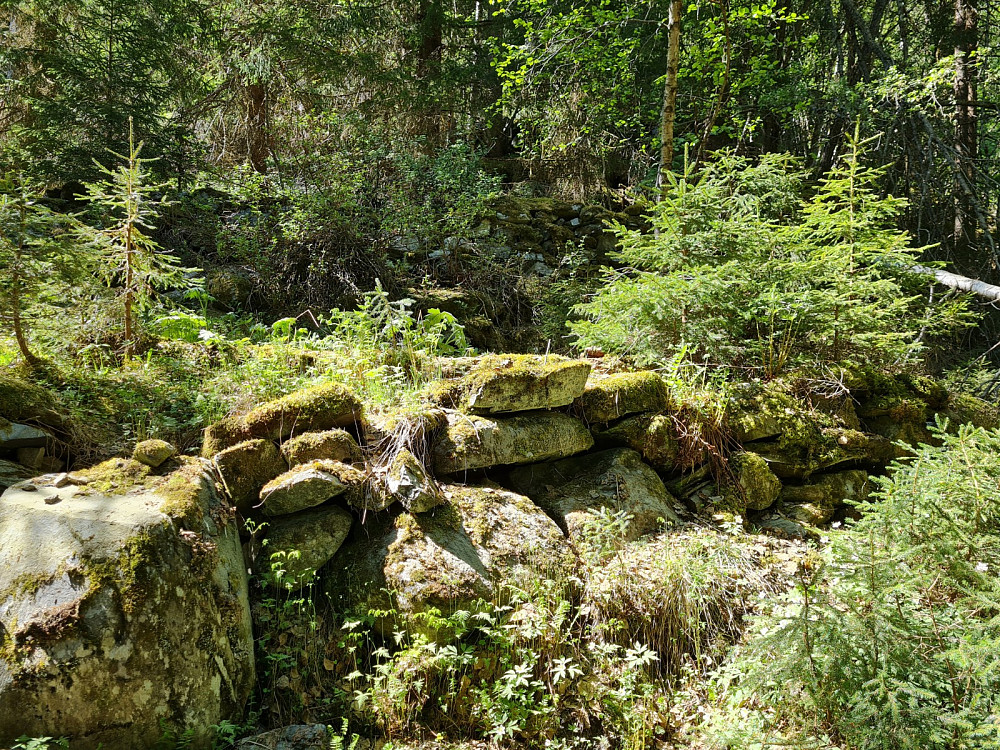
{"x":754,"y":486}
{"x":609,"y":398}
{"x":296,"y":737}
{"x":32,"y":457}
{"x":14,"y":435}
{"x":11,"y":473}
{"x":449,"y":558}
{"x":307,"y":486}
{"x":817,"y":502}
{"x":617,"y":479}
{"x":153,"y":452}
{"x":245,"y":468}
{"x":314,"y":536}
{"x":114,"y":617}
{"x":475,"y":442}
{"x":406,"y":480}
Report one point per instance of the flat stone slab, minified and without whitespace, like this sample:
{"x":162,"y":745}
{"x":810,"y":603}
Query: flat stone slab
{"x":614,"y":396}
{"x":524,"y":382}
{"x":476,"y":442}
{"x":307,"y":486}
{"x":14,"y":435}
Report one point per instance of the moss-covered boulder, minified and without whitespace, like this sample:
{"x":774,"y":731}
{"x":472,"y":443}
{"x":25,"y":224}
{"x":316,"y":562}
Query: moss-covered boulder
{"x":329,"y":445}
{"x":654,"y":436}
{"x":308,"y":485}
{"x":617,"y":480}
{"x":815,"y":450}
{"x":476,"y":442}
{"x":609,"y":398}
{"x":449,"y":558}
{"x":321,"y":407}
{"x":965,"y":409}
{"x":762,"y":413}
{"x":245,"y":468}
{"x":22,"y":401}
{"x":523,"y":382}
{"x":153,"y":452}
{"x":300,"y":544}
{"x":752,"y":485}
{"x":122,"y":614}
{"x":817,"y":502}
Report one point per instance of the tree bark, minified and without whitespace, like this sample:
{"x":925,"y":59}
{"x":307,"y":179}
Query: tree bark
{"x":669,"y":112}
{"x":258,"y":141}
{"x":966,"y":144}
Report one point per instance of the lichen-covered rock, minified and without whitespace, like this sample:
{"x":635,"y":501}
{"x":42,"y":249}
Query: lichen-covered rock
{"x":819,"y":450}
{"x":654,"y":436}
{"x":406,"y":480}
{"x":835,"y":489}
{"x":754,"y":486}
{"x":122,"y":614}
{"x":965,"y":409}
{"x":615,"y":396}
{"x":762,"y":413}
{"x":321,"y":407}
{"x":308,"y":485}
{"x":314,"y":536}
{"x":245,"y":468}
{"x":330,"y":445}
{"x":153,"y":452}
{"x":475,"y":442}
{"x":523,"y":382}
{"x":449,"y":558}
{"x":616,"y":480}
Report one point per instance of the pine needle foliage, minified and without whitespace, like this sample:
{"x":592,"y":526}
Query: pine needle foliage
{"x":889,"y":641}
{"x":746,"y":275}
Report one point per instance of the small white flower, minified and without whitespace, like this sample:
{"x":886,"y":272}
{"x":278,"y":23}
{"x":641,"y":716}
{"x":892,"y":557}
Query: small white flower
{"x":982,"y":567}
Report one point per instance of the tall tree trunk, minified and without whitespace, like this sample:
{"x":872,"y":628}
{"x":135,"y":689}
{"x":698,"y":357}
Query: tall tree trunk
{"x":966,"y":145}
{"x":669,"y":112}
{"x":258,"y":139}
{"x":430,"y":27}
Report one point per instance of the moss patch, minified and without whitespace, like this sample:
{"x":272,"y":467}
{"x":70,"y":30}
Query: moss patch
{"x":753,"y":485}
{"x":332,"y":445}
{"x":521,"y":382}
{"x":616,"y":396}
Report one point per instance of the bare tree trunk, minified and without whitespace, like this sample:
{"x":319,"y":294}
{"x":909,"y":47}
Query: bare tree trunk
{"x":669,"y":111}
{"x":16,"y":291}
{"x":258,"y":140}
{"x":966,"y":145}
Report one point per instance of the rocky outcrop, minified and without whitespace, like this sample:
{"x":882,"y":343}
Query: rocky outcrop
{"x":123,"y":608}
{"x":616,"y":480}
{"x":614,"y":396}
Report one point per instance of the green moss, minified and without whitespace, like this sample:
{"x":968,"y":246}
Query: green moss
{"x":320,"y":407}
{"x":127,"y":573}
{"x":21,"y":400}
{"x":652,"y":435}
{"x":182,"y":493}
{"x":116,"y":476}
{"x":752,"y":485}
{"x":519,"y":382}
{"x":625,"y":393}
{"x":333,"y":445}
{"x":965,"y":409}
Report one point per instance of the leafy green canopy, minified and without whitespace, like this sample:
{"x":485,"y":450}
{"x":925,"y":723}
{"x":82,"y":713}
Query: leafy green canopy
{"x":744,"y":275}
{"x":890,"y":639}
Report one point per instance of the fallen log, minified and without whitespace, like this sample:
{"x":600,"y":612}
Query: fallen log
{"x":990,"y":292}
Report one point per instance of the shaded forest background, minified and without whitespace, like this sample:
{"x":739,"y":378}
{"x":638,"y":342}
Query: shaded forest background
{"x":570,"y":95}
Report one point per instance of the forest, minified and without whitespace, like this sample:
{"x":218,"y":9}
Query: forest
{"x":489,"y":374}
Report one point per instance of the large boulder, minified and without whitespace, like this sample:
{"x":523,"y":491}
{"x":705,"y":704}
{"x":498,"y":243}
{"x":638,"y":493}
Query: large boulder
{"x":476,"y":442}
{"x":321,"y":407}
{"x":123,"y":613}
{"x":300,"y":544}
{"x":451,"y":558}
{"x":615,"y":396}
{"x":14,"y":435}
{"x":616,"y":480}
{"x":523,"y":382}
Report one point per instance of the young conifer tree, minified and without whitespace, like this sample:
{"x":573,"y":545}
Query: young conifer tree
{"x":133,"y":264}
{"x":37,"y":255}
